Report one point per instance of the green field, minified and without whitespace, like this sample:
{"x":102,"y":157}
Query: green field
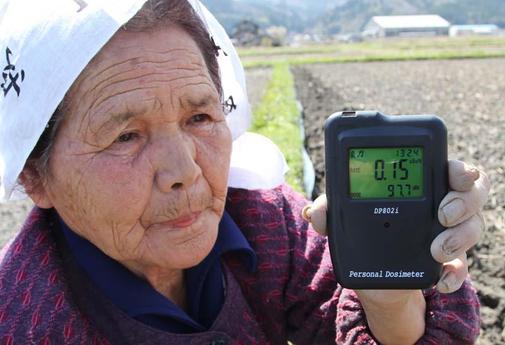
{"x":378,"y":50}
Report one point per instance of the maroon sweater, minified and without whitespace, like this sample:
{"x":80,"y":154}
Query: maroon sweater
{"x":45,"y":297}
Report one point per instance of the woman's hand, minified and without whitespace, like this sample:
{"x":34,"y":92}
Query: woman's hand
{"x":459,"y":211}
{"x":390,"y":311}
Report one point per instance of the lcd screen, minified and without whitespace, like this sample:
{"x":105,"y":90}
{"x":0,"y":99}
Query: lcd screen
{"x":386,"y":173}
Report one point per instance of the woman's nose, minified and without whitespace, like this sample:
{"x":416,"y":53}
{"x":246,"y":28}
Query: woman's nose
{"x":177,"y":167}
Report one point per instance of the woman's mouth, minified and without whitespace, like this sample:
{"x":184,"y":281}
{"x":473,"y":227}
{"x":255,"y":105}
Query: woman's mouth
{"x":182,"y":221}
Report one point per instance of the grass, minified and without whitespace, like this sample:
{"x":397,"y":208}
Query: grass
{"x":378,"y":50}
{"x":277,"y":117}
{"x":423,"y":55}
{"x":270,"y":51}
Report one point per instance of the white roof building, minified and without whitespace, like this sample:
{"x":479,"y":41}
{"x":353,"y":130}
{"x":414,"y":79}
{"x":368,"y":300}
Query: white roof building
{"x":483,"y":29}
{"x":383,"y":26}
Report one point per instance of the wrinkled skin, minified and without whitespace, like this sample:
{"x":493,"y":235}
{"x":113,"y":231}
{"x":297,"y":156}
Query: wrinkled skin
{"x":139,"y":166}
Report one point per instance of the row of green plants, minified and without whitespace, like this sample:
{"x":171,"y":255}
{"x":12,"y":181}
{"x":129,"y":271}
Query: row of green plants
{"x":377,"y":56}
{"x":378,"y":50}
{"x":278,"y":118}
{"x":400,"y":43}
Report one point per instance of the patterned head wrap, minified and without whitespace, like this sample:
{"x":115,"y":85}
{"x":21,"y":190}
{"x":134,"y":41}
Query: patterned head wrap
{"x":44,"y":46}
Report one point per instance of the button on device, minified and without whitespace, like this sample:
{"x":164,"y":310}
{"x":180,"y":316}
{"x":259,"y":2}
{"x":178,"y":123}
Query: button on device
{"x":349,"y":113}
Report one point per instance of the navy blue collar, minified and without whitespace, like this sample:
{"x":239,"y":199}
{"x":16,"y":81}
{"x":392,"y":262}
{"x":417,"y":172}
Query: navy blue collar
{"x":204,"y":282}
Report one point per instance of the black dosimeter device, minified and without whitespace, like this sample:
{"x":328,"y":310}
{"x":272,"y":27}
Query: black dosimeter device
{"x":385,"y":178}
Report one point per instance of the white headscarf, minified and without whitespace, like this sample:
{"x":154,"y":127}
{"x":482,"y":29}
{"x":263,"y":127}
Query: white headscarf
{"x":44,"y":46}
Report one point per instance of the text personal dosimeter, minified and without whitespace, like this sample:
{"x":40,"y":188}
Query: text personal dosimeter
{"x":385,"y":178}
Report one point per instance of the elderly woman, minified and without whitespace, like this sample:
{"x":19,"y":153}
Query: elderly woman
{"x":151,"y":225}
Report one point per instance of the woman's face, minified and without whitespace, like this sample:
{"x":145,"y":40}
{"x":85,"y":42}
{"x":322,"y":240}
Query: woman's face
{"x":140,"y":164}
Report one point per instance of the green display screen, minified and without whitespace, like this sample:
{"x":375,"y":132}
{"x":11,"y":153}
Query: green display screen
{"x":386,"y":173}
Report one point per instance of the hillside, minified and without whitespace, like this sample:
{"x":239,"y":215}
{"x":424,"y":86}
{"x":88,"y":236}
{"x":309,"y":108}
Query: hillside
{"x":352,"y":16}
{"x":339,"y":16}
{"x":264,"y":13}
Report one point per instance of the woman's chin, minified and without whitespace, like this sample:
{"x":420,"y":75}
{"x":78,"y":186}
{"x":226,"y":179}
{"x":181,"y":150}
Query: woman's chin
{"x":184,"y":247}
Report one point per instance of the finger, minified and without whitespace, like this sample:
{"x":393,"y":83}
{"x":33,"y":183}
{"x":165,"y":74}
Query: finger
{"x":462,"y":176}
{"x":453,"y":275}
{"x":316,"y":214}
{"x":454,"y":242}
{"x":457,"y":207}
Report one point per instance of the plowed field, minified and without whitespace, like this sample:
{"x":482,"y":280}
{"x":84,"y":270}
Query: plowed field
{"x":470,"y":96}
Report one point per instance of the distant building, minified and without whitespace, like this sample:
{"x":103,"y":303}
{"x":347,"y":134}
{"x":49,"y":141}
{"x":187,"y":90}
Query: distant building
{"x":414,"y":25}
{"x":485,"y":29}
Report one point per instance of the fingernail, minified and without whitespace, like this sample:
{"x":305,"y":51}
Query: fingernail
{"x":453,"y":211}
{"x":449,"y":281}
{"x":450,"y":246}
{"x":473,"y":171}
{"x":307,"y":213}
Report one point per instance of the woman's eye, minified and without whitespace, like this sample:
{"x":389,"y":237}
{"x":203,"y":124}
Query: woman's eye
{"x":126,"y":137}
{"x":199,"y":118}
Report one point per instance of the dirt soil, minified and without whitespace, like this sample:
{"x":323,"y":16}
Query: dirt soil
{"x":12,"y":216}
{"x":470,"y":96}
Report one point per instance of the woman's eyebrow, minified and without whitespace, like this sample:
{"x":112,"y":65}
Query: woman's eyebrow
{"x":198,"y":102}
{"x":114,"y":120}
{"x":113,"y":116}
{"x":119,"y":118}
